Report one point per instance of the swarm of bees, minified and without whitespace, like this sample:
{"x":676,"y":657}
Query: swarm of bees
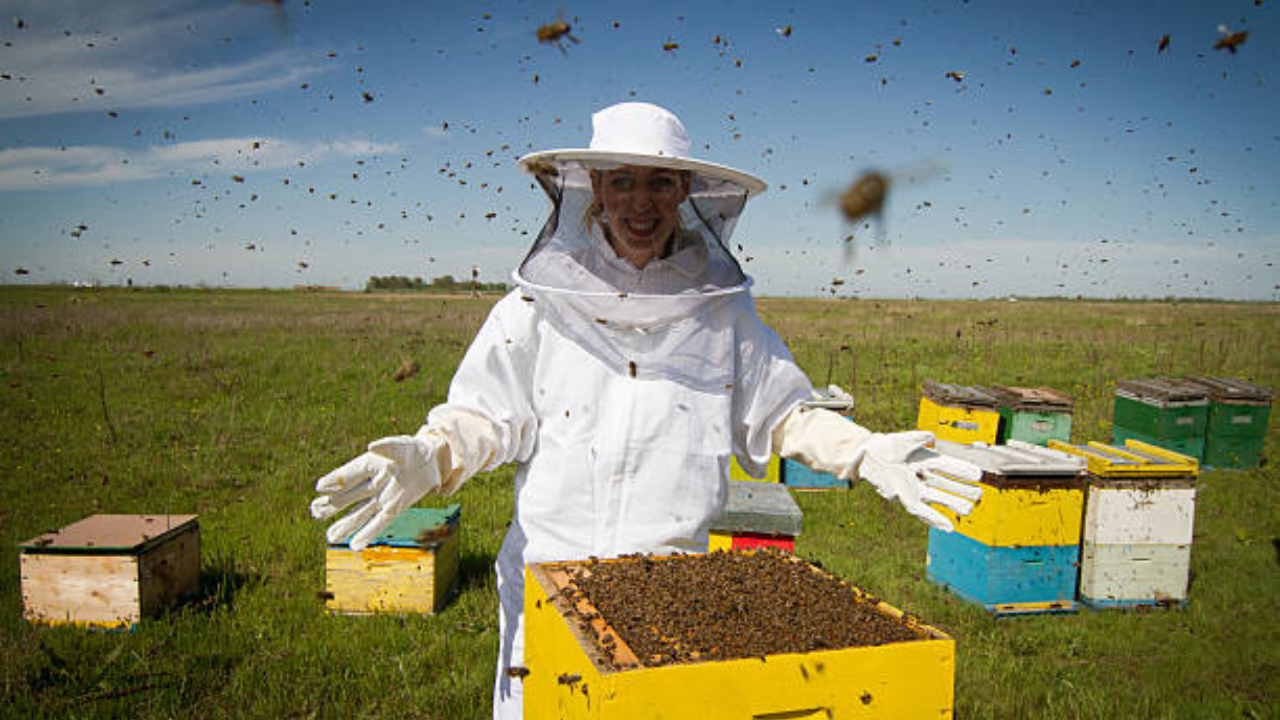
{"x":556,"y":32}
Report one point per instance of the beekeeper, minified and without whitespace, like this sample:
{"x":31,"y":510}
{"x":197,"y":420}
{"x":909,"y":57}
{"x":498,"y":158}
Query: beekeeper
{"x":621,"y":376}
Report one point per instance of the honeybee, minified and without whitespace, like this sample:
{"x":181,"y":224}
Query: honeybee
{"x":955,"y":75}
{"x":1164,"y":43}
{"x":541,"y":168}
{"x":1230,"y":40}
{"x":865,"y":197}
{"x":556,"y":31}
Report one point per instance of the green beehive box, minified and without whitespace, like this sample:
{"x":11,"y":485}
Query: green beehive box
{"x":1192,"y":446}
{"x":1237,"y":424}
{"x":1033,"y":415}
{"x":1167,"y":412}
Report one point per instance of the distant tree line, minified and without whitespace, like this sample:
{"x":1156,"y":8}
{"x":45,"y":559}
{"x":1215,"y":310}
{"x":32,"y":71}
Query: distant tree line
{"x":444,"y":283}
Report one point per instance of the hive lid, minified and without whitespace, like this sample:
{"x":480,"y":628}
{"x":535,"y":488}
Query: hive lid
{"x":964,"y":396}
{"x":1162,"y":390}
{"x":1133,"y":459}
{"x":1037,"y":399}
{"x":1228,"y":390}
{"x":759,"y":507}
{"x":110,"y":534}
{"x":416,"y":527}
{"x":1018,"y":459}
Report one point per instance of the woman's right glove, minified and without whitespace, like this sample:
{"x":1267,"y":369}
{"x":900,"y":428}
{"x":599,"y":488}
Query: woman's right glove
{"x":398,"y":471}
{"x":900,"y":466}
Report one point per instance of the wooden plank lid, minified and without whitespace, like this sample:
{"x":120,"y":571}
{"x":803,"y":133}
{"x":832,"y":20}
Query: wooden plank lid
{"x":1229,"y":390}
{"x":1162,"y":389}
{"x":960,"y":395}
{"x":115,"y":534}
{"x":1037,"y":399}
{"x":759,"y":507}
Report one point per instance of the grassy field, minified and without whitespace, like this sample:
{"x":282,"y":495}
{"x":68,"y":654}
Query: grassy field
{"x":231,"y":403}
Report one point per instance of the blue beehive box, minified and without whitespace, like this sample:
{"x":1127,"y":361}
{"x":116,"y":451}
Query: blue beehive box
{"x":1019,"y":550}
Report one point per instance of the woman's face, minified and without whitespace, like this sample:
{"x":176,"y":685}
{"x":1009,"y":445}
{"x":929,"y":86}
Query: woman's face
{"x":641,"y":208}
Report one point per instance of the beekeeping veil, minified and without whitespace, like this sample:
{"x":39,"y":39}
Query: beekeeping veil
{"x":572,"y":265}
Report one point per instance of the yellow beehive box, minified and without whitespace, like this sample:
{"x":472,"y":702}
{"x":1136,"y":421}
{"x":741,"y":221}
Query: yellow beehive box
{"x":568,"y":675}
{"x":959,"y":413}
{"x":410,"y":568}
{"x":110,"y":571}
{"x":1030,"y":495}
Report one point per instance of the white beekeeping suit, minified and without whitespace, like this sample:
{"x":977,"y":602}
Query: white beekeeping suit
{"x":621,"y":393}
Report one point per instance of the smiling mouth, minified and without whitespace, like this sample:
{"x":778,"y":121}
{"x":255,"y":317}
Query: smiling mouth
{"x":640,"y":228}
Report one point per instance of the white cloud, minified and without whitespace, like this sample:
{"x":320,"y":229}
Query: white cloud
{"x":41,"y":168}
{"x":136,"y":59}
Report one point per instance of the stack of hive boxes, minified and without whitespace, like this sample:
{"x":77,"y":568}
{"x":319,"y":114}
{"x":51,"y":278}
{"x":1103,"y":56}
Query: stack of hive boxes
{"x":1162,"y":411}
{"x":1139,"y":517}
{"x":1018,"y":551}
{"x":1237,"y":424}
{"x":1034,"y":415}
{"x":959,"y":413}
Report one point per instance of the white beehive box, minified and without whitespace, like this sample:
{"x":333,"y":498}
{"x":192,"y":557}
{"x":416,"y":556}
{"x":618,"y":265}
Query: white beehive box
{"x":1138,"y":525}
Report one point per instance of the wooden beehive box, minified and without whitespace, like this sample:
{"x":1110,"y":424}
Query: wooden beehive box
{"x":1139,"y":518}
{"x":577,"y":665}
{"x":1019,"y":550}
{"x":1168,"y":412}
{"x":411,"y":567}
{"x":959,"y":413}
{"x":1237,"y":426}
{"x":1035,"y":415}
{"x":109,"y":571}
{"x":757,"y":515}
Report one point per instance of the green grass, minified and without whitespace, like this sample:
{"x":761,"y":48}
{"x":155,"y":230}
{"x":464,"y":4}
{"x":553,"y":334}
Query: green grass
{"x":231,"y":403}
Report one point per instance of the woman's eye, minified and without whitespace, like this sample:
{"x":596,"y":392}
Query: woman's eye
{"x":622,"y":183}
{"x":662,"y":184}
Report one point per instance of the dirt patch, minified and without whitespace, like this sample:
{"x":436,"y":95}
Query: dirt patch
{"x":728,"y":605}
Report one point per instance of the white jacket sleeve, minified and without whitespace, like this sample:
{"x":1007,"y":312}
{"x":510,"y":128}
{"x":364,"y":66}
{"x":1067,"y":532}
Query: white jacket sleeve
{"x":488,"y":419}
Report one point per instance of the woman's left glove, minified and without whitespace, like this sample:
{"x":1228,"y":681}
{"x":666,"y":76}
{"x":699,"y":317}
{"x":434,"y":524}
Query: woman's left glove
{"x":393,"y":475}
{"x":900,"y":466}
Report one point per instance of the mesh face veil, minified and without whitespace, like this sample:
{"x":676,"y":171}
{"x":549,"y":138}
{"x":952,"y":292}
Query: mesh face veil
{"x":572,"y":263}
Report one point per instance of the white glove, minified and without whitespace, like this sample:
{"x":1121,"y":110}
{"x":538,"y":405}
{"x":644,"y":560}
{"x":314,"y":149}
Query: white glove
{"x":899,"y":466}
{"x":398,"y":471}
{"x":391,"y":477}
{"x":902,"y":466}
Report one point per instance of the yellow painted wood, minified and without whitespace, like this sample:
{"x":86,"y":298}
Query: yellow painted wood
{"x":386,"y":579}
{"x":958,"y":424}
{"x":1014,"y":517}
{"x":98,"y":591}
{"x":1134,"y":459}
{"x":720,"y":541}
{"x":772,"y":471}
{"x":898,"y":680}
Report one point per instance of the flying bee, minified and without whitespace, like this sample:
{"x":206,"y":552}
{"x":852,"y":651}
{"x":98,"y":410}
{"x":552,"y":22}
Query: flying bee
{"x":1230,"y":40}
{"x":1164,"y":43}
{"x":863,"y":200}
{"x":541,"y":168}
{"x":556,"y":32}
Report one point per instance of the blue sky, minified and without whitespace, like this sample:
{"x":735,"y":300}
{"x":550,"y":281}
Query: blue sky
{"x":233,"y":143}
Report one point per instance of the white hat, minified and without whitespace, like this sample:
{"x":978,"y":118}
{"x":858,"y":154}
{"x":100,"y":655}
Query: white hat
{"x":635,"y":133}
